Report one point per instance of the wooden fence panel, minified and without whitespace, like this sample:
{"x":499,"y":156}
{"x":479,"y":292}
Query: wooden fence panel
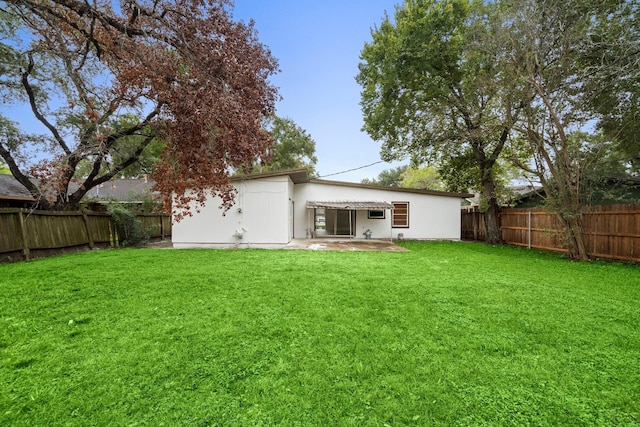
{"x":534,"y":228}
{"x":101,"y":228}
{"x":153,"y":224}
{"x":473,"y":227}
{"x":613,"y":231}
{"x":53,"y":230}
{"x":10,"y":234}
{"x":49,"y":233}
{"x":610,"y":231}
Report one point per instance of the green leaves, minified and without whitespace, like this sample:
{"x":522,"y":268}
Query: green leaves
{"x":293,"y":146}
{"x":432,"y":90}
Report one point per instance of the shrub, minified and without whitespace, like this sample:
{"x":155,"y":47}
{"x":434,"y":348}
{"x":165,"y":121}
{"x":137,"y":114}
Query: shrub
{"x":128,"y":226}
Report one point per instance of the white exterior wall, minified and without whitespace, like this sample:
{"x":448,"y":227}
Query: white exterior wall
{"x":430,"y":216}
{"x":262,"y":207}
{"x":273,"y":211}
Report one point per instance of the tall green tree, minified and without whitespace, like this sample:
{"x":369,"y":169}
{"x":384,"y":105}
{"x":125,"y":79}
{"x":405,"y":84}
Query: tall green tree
{"x":431,"y":90}
{"x":424,"y":178}
{"x":292,"y":148}
{"x":612,"y":87}
{"x":146,"y":161}
{"x":388,"y":177}
{"x":549,"y":44}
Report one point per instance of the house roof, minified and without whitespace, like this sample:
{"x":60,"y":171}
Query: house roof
{"x":298,"y":176}
{"x":11,"y":189}
{"x":396,"y":189}
{"x":350,"y":204}
{"x":121,"y":189}
{"x":301,"y":176}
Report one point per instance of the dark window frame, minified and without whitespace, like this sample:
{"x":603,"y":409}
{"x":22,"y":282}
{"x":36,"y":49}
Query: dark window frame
{"x":383,"y":216}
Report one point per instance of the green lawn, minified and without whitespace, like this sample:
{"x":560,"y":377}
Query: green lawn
{"x":446,"y":334}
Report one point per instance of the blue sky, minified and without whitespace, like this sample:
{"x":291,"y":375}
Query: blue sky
{"x":318,"y":45}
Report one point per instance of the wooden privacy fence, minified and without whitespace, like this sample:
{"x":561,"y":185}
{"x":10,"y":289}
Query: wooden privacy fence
{"x":26,"y":234}
{"x":610,"y":231}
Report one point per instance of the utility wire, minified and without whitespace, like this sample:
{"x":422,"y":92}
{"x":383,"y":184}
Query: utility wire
{"x":354,"y":169}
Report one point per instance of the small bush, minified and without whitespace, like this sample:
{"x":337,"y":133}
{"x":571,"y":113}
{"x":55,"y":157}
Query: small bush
{"x":128,"y":226}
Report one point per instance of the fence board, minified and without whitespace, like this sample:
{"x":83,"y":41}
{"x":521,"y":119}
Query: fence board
{"x":10,"y":234}
{"x":610,"y":231}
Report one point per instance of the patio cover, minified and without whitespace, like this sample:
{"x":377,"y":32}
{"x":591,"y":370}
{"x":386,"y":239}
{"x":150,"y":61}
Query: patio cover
{"x":350,"y":205}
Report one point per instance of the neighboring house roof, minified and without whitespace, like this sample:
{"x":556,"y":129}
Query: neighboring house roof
{"x":123,"y":190}
{"x":119,"y":189}
{"x":519,"y":192}
{"x":11,"y":189}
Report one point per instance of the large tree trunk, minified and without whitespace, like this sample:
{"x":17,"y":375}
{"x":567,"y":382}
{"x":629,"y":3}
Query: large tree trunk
{"x":492,"y":213}
{"x":576,"y":245}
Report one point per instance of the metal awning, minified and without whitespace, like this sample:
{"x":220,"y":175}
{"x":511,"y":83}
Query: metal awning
{"x":350,"y":205}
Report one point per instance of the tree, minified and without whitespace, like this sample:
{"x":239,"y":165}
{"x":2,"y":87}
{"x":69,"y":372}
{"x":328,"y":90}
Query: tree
{"x":548,"y":44}
{"x":144,"y":165}
{"x":292,"y":148}
{"x":612,"y":84}
{"x":195,"y":78}
{"x":432,"y":90}
{"x":424,"y":178}
{"x":388,"y":177}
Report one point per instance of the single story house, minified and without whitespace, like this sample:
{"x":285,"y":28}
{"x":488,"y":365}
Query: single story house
{"x":273,"y":208}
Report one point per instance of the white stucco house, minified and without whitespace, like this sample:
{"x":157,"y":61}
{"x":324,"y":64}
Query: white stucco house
{"x":273,"y":208}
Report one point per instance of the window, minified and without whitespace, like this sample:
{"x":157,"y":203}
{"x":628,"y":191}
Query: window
{"x":400,"y":215}
{"x":377,"y":214}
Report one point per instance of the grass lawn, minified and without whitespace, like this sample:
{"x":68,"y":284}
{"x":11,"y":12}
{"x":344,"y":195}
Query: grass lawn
{"x":446,"y":334}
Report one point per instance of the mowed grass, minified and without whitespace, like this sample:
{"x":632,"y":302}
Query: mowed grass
{"x":446,"y":334}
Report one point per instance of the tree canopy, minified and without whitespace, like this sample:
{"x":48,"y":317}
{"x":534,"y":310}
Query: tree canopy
{"x":472,"y":86}
{"x":424,"y":178}
{"x":193,"y":77}
{"x":388,"y":177}
{"x":292,"y":148}
{"x":557,"y":49}
{"x":431,"y":90}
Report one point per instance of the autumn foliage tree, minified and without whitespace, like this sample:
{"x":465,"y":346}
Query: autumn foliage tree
{"x":193,"y":76}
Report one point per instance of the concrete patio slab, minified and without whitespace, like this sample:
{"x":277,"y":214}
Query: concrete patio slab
{"x":328,"y":244}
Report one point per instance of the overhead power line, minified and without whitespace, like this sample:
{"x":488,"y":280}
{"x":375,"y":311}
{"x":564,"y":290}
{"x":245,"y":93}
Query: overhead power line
{"x":354,"y":169}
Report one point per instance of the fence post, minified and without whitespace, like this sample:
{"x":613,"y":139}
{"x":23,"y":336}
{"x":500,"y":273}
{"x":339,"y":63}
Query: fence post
{"x":529,"y":230}
{"x":23,"y":233}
